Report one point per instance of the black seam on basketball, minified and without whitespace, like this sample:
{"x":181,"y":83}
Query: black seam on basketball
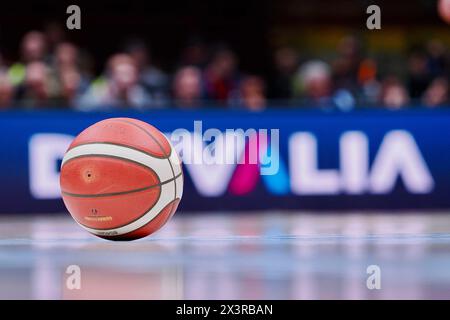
{"x":160,"y":146}
{"x":147,"y":133}
{"x":162,"y":150}
{"x":139,"y":217}
{"x":171,"y":208}
{"x":78,"y":195}
{"x":124,"y":234}
{"x":120,"y":145}
{"x":110,"y":156}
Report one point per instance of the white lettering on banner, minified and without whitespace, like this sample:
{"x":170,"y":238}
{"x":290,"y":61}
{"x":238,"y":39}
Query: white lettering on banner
{"x":45,"y":149}
{"x":354,"y":162}
{"x":306,"y":178}
{"x":209,"y":177}
{"x":398,"y":156}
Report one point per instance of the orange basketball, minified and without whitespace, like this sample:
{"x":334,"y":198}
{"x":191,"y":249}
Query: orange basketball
{"x":121,"y":179}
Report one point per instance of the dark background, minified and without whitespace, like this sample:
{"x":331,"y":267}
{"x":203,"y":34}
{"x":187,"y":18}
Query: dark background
{"x":168,"y":26}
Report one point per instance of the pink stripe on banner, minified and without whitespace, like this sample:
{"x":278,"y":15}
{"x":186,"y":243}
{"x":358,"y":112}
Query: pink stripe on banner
{"x":246,"y":175}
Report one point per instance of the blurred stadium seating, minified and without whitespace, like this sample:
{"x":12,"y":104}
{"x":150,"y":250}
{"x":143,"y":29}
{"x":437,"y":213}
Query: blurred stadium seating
{"x":245,"y":55}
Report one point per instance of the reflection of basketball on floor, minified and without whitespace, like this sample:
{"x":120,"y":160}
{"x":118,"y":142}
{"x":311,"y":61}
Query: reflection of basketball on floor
{"x":121,"y":179}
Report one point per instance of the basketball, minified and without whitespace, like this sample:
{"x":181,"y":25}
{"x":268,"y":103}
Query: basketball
{"x":121,"y":179}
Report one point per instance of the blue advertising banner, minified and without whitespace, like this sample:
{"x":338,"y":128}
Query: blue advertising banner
{"x":368,"y":159}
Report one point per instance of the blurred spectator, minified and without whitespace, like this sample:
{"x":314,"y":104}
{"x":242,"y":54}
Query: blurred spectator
{"x":187,"y":87}
{"x":418,"y":74}
{"x":55,"y":34}
{"x":393,"y":93}
{"x":367,"y":71}
{"x":72,"y":83}
{"x":313,"y":81}
{"x":33,"y":48}
{"x":6,"y":91}
{"x":437,"y":58}
{"x":346,"y":65}
{"x":367,"y":79}
{"x":34,"y":91}
{"x":252,"y":93}
{"x":195,"y":54}
{"x":66,"y":55}
{"x":151,"y":78}
{"x":221,"y":75}
{"x":119,"y":89}
{"x":286,"y":62}
{"x":71,"y":86}
{"x":437,"y":94}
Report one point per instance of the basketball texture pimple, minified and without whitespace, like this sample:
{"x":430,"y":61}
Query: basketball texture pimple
{"x":121,"y":179}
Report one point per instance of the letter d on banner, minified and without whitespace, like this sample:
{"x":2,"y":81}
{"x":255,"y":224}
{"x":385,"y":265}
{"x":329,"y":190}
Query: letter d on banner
{"x":45,"y":149}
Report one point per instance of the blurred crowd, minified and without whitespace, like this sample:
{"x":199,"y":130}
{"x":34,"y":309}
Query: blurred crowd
{"x":53,"y":72}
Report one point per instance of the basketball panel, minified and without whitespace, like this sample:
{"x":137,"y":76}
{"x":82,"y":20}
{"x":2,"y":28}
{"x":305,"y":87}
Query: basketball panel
{"x":111,"y":212}
{"x":153,"y":132}
{"x":154,"y":225}
{"x":124,"y":132}
{"x":96,"y":175}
